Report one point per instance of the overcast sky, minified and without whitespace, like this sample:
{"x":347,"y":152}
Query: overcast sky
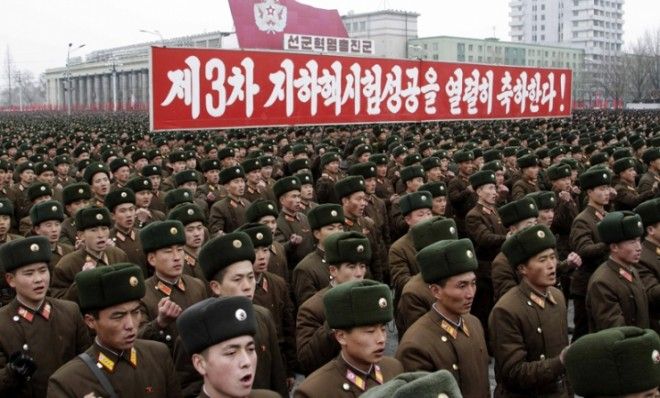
{"x":37,"y":32}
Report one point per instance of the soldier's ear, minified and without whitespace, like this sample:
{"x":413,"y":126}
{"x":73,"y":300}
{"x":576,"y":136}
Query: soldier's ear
{"x":215,"y":288}
{"x":340,"y":335}
{"x":199,"y":362}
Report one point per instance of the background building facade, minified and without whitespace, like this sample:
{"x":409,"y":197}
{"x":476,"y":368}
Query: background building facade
{"x":390,"y":30}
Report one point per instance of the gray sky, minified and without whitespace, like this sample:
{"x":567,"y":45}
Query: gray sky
{"x":38,"y":31}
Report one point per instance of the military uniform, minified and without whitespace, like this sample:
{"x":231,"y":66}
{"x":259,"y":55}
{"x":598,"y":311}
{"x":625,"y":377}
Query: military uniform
{"x":289,"y":224}
{"x":415,"y":301}
{"x":462,"y":200}
{"x":62,"y":283}
{"x":68,"y":235}
{"x":616,"y":297}
{"x":503,"y":275}
{"x":339,"y":379}
{"x":366,"y":227}
{"x":325,"y":189}
{"x":649,"y":272}
{"x":310,"y":275}
{"x":528,"y":331}
{"x":434,"y":343}
{"x":253,"y":193}
{"x":565,"y":213}
{"x":403,"y":264}
{"x":59,"y":250}
{"x":147,"y":370}
{"x":315,"y":341}
{"x":191,"y":265}
{"x":186,"y":292}
{"x":522,"y":187}
{"x":129,"y":242}
{"x":227,"y":214}
{"x":646,"y":181}
{"x":277,"y":263}
{"x":627,"y":197}
{"x":6,"y":292}
{"x":53,"y":334}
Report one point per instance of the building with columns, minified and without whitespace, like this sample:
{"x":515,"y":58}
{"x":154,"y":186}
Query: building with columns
{"x":116,"y":78}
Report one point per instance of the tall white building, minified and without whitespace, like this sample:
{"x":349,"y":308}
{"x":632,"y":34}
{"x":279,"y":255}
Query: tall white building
{"x":593,"y":25}
{"x":389,"y":29}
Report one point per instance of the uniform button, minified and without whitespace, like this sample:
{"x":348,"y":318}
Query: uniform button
{"x":454,"y":366}
{"x":161,"y":332}
{"x":168,"y":337}
{"x":542,"y":357}
{"x":444,"y":339}
{"x":539,"y":330}
{"x":25,"y":347}
{"x":529,"y":303}
{"x":345,"y":386}
{"x":443,"y":395}
{"x":15,"y":318}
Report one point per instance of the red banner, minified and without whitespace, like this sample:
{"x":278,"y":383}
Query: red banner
{"x":262,"y":24}
{"x":209,"y":88}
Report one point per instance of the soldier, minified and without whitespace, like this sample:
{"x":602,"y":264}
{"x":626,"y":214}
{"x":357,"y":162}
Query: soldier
{"x":229,"y":213}
{"x":117,"y":364}
{"x":412,"y":177}
{"x":169,"y":291}
{"x":448,"y":336}
{"x":74,"y":197}
{"x":46,"y":219}
{"x":254,"y":185}
{"x":232,"y":275}
{"x":627,"y":197}
{"x":154,"y":174}
{"x":503,"y":194}
{"x":97,"y":175}
{"x":615,"y":294}
{"x":18,"y":192}
{"x":650,"y":179}
{"x":189,"y":179}
{"x":265,"y":212}
{"x":528,"y":183}
{"x":211,"y":190}
{"x":121,"y":172}
{"x":415,"y":208}
{"x":93,"y":225}
{"x":293,"y":230}
{"x":177,"y":163}
{"x":486,"y":230}
{"x":621,"y":362}
{"x":352,"y":194}
{"x":325,"y":186}
{"x":192,"y":218}
{"x":438,"y":191}
{"x":384,"y":187}
{"x":306,"y":192}
{"x":230,"y":326}
{"x":528,"y":328}
{"x":37,"y":334}
{"x":143,"y":190}
{"x":358,"y":312}
{"x":125,"y":236}
{"x":566,"y":210}
{"x":62,"y":165}
{"x":314,"y":340}
{"x":36,"y":193}
{"x":460,"y":192}
{"x":649,"y":261}
{"x":312,"y":273}
{"x":416,"y":298}
{"x":272,"y":292}
{"x":585,"y":240}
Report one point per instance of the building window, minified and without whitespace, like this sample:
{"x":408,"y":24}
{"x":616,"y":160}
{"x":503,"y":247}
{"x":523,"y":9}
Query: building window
{"x":363,"y":25}
{"x":435,"y":57}
{"x":470,"y":47}
{"x":435,"y":47}
{"x":470,"y":58}
{"x":355,"y":26}
{"x":480,"y":59}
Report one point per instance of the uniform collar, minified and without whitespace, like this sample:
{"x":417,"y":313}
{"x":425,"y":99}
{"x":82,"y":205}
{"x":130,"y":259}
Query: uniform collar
{"x":166,"y":287}
{"x":449,"y":326}
{"x":358,"y":377}
{"x":26,"y":312}
{"x":107,"y":358}
{"x":624,"y":271}
{"x":93,"y":259}
{"x":535,"y":297}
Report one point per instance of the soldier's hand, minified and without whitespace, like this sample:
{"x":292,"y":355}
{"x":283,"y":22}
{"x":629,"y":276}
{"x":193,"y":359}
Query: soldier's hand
{"x":612,"y":193}
{"x":576,"y":190}
{"x":143,"y":214}
{"x":469,"y":188}
{"x":655,"y":186}
{"x":295,"y":239}
{"x":394,"y":197}
{"x":109,"y":242}
{"x":502,"y":188}
{"x":22,"y":365}
{"x":168,"y":311}
{"x":450,"y":174}
{"x":210,"y":197}
{"x":574,"y":260}
{"x":565,"y":196}
{"x":79,"y":244}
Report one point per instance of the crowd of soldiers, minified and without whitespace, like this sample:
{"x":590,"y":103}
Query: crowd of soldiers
{"x":229,"y":263}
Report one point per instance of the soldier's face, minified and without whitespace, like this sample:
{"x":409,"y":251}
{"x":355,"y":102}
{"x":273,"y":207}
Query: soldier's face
{"x":178,"y":166}
{"x":116,"y":327}
{"x":322,"y":234}
{"x":414,"y":184}
{"x":262,"y":256}
{"x":540,"y":271}
{"x":488,"y":194}
{"x":254,"y":177}
{"x":122,"y":173}
{"x":600,"y":195}
{"x":354,"y":204}
{"x":347,"y":272}
{"x":291,"y":200}
{"x":457,"y":294}
{"x":27,"y":176}
{"x":51,"y":229}
{"x":124,"y":216}
{"x":47,"y":177}
{"x":629,"y":175}
{"x":236,"y":187}
{"x":332,"y":167}
{"x":307,"y":192}
{"x":628,"y":251}
{"x":143,"y":198}
{"x":238,"y":280}
{"x":30,"y":282}
{"x":228,"y":368}
{"x":439,"y":206}
{"x":194,"y":234}
{"x":466,"y":167}
{"x":5,"y":224}
{"x":434,"y":174}
{"x":546,"y":216}
{"x":96,"y":238}
{"x":212,"y":177}
{"x":155,"y":182}
{"x":191,"y":186}
{"x":100,"y":184}
{"x":381,"y":170}
{"x":370,"y":185}
{"x":531,"y":172}
{"x":562,"y":184}
{"x":63,"y":169}
{"x":363,"y":345}
{"x":266,"y":172}
{"x":270,"y":221}
{"x":168,"y":261}
{"x":417,"y":216}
